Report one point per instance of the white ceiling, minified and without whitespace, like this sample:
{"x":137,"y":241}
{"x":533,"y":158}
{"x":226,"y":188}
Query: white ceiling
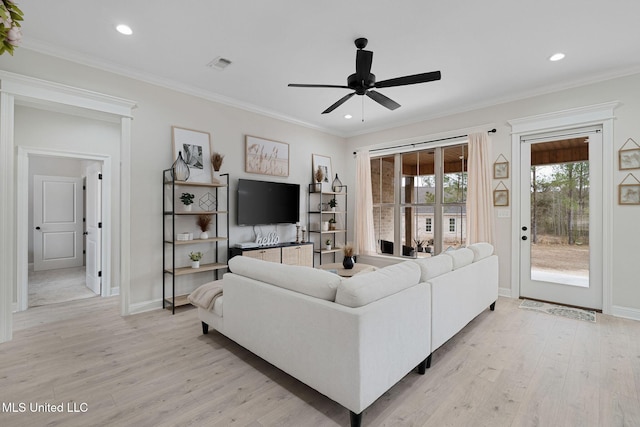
{"x":489,"y":52}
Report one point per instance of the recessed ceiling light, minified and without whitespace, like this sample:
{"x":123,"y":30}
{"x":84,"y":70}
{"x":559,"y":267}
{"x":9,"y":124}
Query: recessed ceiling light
{"x":124,"y":29}
{"x":556,"y":56}
{"x":348,"y":116}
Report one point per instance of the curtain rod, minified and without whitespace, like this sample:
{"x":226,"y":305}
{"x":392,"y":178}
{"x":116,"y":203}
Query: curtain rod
{"x":424,"y":142}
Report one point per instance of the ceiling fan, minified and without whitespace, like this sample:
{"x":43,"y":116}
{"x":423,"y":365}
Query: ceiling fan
{"x":362,"y":82}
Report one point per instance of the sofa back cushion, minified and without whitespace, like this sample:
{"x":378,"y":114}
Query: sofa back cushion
{"x":434,"y":266}
{"x":460,"y":257}
{"x":309,"y":281}
{"x":481,"y":250}
{"x":366,"y":288}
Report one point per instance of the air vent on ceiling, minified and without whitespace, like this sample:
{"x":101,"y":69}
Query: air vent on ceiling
{"x":219,"y":63}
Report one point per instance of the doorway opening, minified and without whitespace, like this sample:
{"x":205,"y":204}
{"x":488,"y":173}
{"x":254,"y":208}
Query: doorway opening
{"x":561,"y":217}
{"x":64,"y":239}
{"x":63,"y":254}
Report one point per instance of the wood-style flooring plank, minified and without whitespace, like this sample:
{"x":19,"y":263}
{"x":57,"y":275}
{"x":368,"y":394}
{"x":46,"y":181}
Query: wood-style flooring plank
{"x":511,"y":367}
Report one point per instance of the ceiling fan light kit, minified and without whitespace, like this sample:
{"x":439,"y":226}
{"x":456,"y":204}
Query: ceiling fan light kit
{"x":362,"y":82}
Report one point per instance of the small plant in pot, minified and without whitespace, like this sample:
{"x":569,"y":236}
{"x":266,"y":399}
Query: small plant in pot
{"x":195,"y":258}
{"x":204,"y":221}
{"x":347,"y":261}
{"x":187,"y":201}
{"x":216,"y":163}
{"x":333,"y":203}
{"x":327,"y":244}
{"x":319,"y":176}
{"x":332,"y":224}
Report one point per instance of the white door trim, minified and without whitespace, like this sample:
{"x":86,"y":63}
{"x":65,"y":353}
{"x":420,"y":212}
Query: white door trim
{"x":60,"y":98}
{"x":599,"y":114}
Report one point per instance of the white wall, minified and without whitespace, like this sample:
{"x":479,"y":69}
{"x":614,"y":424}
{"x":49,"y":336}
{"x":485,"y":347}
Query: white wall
{"x":158,"y":109}
{"x":626,"y":268}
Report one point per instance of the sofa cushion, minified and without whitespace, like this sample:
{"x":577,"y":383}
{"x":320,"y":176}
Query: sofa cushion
{"x":306,"y":280}
{"x":460,"y":257}
{"x":366,"y":288}
{"x":434,"y":266}
{"x":481,"y":250}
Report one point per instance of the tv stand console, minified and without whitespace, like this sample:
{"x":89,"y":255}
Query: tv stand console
{"x":283,"y":253}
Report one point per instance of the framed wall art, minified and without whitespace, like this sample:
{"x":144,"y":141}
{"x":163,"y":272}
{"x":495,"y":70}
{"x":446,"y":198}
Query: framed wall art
{"x":629,"y":191}
{"x":501,"y":195}
{"x":629,"y":158}
{"x":266,"y":157}
{"x":501,"y":168}
{"x":195,"y":147}
{"x":324,"y":164}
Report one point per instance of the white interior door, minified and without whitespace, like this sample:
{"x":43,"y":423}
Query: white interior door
{"x":57,"y":219}
{"x":93,"y":222}
{"x":561,"y":205}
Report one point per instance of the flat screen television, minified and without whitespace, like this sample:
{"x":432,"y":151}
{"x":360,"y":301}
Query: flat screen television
{"x":264,"y":202}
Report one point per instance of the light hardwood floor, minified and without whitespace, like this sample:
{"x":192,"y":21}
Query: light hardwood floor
{"x":511,"y":367}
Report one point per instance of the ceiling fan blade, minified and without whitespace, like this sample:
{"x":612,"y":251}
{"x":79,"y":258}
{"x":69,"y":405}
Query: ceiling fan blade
{"x":409,"y":80}
{"x":382,"y":100}
{"x":339,"y":103}
{"x":364,"y":58}
{"x":305,"y":85}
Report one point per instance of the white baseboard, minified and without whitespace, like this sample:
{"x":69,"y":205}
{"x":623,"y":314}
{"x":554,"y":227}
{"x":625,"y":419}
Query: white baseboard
{"x":625,"y":312}
{"x":505,"y":292}
{"x":141,"y":307}
{"x":115,"y":291}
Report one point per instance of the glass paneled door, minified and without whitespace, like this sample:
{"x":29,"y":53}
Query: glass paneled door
{"x":561,"y":218}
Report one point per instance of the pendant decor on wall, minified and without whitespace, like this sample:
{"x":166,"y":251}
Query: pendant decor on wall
{"x":180,"y":169}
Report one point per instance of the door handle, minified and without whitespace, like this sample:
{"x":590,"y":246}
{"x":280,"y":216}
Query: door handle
{"x":85,"y":233}
{"x":37,"y":228}
{"x":524,"y":237}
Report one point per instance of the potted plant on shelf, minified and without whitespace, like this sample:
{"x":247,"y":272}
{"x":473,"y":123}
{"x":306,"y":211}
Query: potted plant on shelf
{"x":195,"y":259}
{"x":203,"y":222}
{"x":333,"y":203}
{"x":419,"y":244}
{"x":327,"y":244}
{"x":187,"y":200}
{"x":332,"y":224}
{"x":347,"y":261}
{"x":319,"y":176}
{"x":216,"y":163}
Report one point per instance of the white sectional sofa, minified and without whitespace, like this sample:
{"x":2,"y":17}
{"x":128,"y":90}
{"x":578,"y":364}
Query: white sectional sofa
{"x":352,"y":339}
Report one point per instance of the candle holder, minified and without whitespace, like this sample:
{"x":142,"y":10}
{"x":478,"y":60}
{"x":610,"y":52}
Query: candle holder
{"x":302,"y":241}
{"x":297,"y":233}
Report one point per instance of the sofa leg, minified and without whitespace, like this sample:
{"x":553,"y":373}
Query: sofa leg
{"x":205,"y":328}
{"x":422,"y":367}
{"x":356,"y":419}
{"x":427,"y":361}
{"x":492,"y":307}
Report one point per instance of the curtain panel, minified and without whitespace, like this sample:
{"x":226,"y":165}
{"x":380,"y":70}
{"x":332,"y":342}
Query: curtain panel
{"x":479,"y":193}
{"x":364,"y":229}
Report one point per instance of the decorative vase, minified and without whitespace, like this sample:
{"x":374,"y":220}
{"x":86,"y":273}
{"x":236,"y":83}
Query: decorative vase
{"x":332,"y":226}
{"x":336,"y":185}
{"x":187,"y":208}
{"x":347,"y":262}
{"x":195,"y":264}
{"x":325,"y":225}
{"x":216,"y":177}
{"x":204,"y":235}
{"x":180,"y":169}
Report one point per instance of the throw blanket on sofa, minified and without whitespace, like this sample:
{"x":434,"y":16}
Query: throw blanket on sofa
{"x":205,"y":296}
